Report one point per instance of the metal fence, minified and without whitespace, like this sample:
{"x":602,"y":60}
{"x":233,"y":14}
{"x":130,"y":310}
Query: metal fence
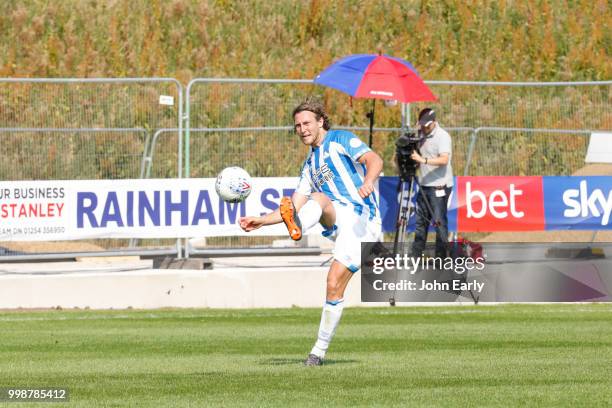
{"x":71,"y":154}
{"x":135,"y":127}
{"x":497,"y":128}
{"x":549,"y":105}
{"x":88,"y":129}
{"x":239,"y":120}
{"x":498,"y":151}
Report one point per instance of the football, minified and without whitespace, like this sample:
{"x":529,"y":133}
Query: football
{"x":233,"y":184}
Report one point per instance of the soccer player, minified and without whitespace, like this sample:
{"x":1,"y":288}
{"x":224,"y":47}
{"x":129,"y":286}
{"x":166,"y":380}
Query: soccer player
{"x":337,"y":190}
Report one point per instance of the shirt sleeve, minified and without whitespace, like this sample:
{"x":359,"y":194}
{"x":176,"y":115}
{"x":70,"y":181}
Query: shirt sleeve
{"x":353,"y":146}
{"x":304,"y":186}
{"x":445,"y":145}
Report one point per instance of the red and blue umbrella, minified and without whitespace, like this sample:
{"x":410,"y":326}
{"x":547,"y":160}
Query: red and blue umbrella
{"x":376,"y":77}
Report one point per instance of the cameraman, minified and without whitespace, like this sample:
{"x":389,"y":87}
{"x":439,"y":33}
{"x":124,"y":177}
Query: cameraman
{"x":436,"y":183}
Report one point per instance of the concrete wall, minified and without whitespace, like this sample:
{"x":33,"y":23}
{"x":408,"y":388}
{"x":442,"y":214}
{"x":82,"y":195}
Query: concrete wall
{"x":71,"y":285}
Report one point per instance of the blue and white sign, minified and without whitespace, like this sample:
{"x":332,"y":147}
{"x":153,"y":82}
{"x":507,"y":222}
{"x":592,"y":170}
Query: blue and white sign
{"x":153,"y":208}
{"x":389,"y":204}
{"x":187,"y":208}
{"x":578,"y":203}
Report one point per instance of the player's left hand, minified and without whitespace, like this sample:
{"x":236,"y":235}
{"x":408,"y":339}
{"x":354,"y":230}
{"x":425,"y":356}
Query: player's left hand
{"x":366,"y":189}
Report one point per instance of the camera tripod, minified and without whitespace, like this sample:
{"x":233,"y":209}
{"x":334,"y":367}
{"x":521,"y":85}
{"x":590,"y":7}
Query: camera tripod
{"x":406,"y":144}
{"x":405,"y":211}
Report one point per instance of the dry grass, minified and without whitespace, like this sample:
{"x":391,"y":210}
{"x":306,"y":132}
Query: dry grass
{"x":473,"y":40}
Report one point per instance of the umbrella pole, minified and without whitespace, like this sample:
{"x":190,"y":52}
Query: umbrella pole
{"x":370,"y":115}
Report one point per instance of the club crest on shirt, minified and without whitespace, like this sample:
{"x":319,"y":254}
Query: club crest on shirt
{"x":323,"y":175}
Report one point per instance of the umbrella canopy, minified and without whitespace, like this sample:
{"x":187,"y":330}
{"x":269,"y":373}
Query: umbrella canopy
{"x":376,"y":77}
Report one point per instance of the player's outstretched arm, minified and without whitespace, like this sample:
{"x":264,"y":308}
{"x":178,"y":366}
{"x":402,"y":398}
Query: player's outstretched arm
{"x":249,"y":224}
{"x":252,"y":223}
{"x":374,"y":165}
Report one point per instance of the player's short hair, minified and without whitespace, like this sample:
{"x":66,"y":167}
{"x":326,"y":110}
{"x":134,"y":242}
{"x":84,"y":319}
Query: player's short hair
{"x":316,"y":107}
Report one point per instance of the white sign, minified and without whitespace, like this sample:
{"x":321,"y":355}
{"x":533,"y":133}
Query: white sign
{"x":148,"y":208}
{"x":166,"y":100}
{"x":600,"y":148}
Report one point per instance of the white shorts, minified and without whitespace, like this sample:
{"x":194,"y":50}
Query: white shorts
{"x":353,"y":229}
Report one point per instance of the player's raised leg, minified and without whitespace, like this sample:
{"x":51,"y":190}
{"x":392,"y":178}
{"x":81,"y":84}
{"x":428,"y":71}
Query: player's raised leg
{"x":318,"y":209}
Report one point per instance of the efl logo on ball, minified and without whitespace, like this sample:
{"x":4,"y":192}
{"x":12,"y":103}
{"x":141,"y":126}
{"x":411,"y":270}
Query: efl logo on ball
{"x":233,"y":184}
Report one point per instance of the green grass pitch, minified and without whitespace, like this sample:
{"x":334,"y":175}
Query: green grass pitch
{"x":511,"y":355}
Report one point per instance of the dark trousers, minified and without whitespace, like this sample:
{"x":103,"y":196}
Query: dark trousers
{"x":425,"y":217}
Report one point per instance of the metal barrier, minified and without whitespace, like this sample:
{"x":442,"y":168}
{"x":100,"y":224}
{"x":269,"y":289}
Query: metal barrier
{"x":165,"y":170}
{"x":532,"y":151}
{"x":73,"y":255}
{"x":227,"y":117}
{"x":532,"y":129}
{"x":99,"y":128}
{"x":235,"y":108}
{"x":225,"y":105}
{"x":55,"y":156}
{"x":550,"y":105}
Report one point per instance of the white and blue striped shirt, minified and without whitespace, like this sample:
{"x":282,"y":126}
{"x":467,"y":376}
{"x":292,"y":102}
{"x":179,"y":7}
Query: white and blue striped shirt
{"x":332,"y":168}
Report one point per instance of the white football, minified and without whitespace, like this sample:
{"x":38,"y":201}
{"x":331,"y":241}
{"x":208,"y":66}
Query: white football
{"x":233,"y":184}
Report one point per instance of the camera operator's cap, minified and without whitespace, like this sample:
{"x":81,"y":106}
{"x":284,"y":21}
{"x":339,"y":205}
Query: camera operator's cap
{"x":427,"y":116}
